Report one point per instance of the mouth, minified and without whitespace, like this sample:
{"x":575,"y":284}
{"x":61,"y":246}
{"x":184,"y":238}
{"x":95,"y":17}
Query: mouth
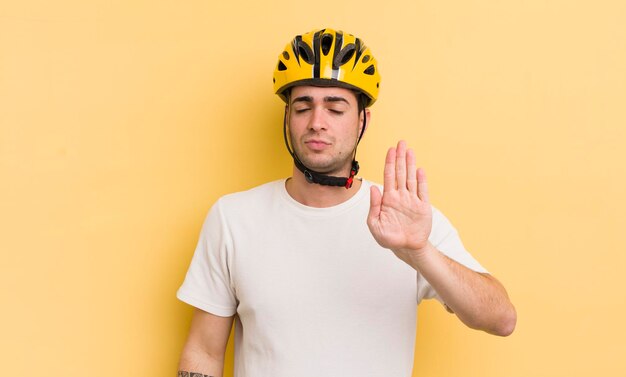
{"x":316,"y":144}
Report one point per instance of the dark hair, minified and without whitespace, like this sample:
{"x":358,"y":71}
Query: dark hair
{"x":361,"y":100}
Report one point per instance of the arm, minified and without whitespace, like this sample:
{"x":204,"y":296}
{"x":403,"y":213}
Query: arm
{"x":479,"y":300}
{"x":203,"y":353}
{"x":400,"y":219}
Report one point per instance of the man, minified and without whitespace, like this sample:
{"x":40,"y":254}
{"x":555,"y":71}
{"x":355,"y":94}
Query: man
{"x":305,"y":266}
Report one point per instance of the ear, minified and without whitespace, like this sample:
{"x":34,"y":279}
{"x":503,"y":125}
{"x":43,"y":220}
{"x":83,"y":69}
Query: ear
{"x":368,"y":117}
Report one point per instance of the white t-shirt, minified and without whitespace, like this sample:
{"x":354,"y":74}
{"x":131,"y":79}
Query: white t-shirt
{"x":314,"y":294}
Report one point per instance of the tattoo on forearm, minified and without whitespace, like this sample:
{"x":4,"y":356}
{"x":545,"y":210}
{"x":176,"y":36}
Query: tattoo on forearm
{"x":182,"y":373}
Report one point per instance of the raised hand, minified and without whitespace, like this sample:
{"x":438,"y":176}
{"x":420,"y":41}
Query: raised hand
{"x":400,"y":218}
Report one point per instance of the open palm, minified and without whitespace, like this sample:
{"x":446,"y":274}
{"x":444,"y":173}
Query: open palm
{"x":400,"y":218}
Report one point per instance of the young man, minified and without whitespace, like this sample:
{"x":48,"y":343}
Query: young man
{"x":306,"y":267}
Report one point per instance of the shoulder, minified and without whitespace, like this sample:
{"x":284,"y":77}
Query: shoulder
{"x":241,"y":206}
{"x":250,"y":198}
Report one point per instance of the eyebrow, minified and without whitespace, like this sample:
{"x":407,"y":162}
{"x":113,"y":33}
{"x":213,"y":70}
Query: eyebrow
{"x":309,"y":99}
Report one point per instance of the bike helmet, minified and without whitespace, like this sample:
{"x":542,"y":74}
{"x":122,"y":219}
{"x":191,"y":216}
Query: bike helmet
{"x":327,"y":57}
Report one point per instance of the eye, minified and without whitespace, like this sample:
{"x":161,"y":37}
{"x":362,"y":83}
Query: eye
{"x":301,"y":110}
{"x":338,"y":112}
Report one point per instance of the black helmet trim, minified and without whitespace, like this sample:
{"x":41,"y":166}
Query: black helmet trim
{"x":325,"y":83}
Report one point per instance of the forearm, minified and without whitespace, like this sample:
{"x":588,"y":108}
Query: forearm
{"x":197,"y":363}
{"x":479,"y":300}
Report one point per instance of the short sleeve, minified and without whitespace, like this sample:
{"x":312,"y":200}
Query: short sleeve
{"x":208,"y":285}
{"x":446,"y":239}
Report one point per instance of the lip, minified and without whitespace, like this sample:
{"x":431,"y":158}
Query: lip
{"x":316,"y":144}
{"x":316,"y":141}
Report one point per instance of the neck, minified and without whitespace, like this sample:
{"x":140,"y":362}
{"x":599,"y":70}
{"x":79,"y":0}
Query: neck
{"x":314,"y":195}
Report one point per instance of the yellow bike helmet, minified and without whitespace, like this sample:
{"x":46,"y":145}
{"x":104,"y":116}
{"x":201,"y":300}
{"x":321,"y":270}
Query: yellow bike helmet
{"x":327,"y":57}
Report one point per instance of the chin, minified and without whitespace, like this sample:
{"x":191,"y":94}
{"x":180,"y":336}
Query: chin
{"x":323,"y":163}
{"x":324,"y":167}
{"x":320,"y":168}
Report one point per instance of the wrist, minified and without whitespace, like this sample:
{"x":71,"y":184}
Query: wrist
{"x":416,"y":256}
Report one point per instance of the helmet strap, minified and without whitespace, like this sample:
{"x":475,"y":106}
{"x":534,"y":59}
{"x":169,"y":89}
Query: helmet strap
{"x":322,"y":179}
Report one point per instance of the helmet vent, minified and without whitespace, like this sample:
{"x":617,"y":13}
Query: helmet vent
{"x":344,"y":55}
{"x":366,"y":59}
{"x":286,"y":55}
{"x":370,"y":70}
{"x":327,"y":41}
{"x":305,"y":52}
{"x":281,"y":66}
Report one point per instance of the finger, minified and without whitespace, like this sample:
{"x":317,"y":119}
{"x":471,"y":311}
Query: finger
{"x":422,"y":187}
{"x":411,"y":172}
{"x":390,"y":170}
{"x":401,"y":165}
{"x":375,"y":203}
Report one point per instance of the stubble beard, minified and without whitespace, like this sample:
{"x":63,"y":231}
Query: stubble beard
{"x":330,"y":164}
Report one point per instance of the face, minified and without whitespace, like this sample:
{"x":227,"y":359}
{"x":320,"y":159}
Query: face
{"x":324,"y":125}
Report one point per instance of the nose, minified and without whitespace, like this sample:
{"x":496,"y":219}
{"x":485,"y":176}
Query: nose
{"x":317,"y":121}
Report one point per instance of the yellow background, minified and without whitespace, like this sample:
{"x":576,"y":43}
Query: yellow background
{"x":121,"y":122}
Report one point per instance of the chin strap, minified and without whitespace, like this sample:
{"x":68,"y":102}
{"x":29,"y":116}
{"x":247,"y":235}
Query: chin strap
{"x":327,"y":180}
{"x":322,"y":179}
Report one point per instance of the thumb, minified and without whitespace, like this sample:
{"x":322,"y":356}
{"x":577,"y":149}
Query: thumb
{"x":375,"y":203}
